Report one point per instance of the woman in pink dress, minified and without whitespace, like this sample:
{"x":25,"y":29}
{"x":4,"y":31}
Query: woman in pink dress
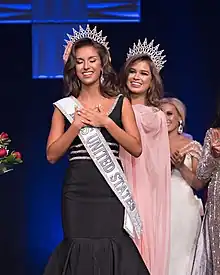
{"x":149,"y":175}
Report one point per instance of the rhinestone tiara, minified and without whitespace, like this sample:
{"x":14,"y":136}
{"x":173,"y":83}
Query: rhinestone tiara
{"x":150,"y":50}
{"x":87,"y":33}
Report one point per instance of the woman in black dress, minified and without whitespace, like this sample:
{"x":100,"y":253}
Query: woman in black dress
{"x":93,"y":217}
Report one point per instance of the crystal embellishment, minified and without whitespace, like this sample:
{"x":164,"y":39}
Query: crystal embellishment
{"x":150,"y":50}
{"x":93,"y":34}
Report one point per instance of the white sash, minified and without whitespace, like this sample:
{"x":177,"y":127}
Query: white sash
{"x":106,"y":162}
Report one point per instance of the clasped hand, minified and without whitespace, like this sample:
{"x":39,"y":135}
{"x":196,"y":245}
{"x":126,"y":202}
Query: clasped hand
{"x":94,"y":117}
{"x":177,"y":159}
{"x":215,"y":143}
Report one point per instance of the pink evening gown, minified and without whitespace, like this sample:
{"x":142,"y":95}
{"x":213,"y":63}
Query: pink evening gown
{"x":150,"y":179}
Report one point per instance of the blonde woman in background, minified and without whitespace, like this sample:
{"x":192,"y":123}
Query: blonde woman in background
{"x":186,"y":208}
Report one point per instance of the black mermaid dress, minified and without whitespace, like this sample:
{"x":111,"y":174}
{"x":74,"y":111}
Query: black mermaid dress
{"x":95,"y":242}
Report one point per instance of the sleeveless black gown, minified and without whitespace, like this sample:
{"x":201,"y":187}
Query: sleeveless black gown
{"x":95,"y":242}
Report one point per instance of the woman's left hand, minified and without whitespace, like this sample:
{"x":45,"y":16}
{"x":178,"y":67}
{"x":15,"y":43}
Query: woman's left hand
{"x":94,"y":117}
{"x":177,"y":159}
{"x":215,"y":143}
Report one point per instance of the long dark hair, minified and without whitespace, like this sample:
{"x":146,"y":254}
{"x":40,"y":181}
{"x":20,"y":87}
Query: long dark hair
{"x":72,"y":85}
{"x":155,"y":92}
{"x":216,"y":122}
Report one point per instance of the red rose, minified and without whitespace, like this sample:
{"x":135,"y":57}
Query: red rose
{"x":4,"y":135}
{"x":3,"y":152}
{"x":17,"y":155}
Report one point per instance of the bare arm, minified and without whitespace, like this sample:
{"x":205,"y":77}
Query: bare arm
{"x":194,"y":149}
{"x":190,"y":175}
{"x":59,"y":141}
{"x":129,"y":138}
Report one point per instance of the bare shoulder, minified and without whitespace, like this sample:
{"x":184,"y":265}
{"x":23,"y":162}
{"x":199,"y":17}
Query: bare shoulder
{"x":191,"y":143}
{"x":57,"y":111}
{"x":126,"y":100}
{"x":192,"y":147}
{"x":58,"y":121}
{"x":126,"y":104}
{"x":57,"y":115}
{"x":185,"y":141}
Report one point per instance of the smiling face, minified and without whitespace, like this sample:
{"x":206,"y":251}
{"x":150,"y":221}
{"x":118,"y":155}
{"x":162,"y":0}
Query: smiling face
{"x":139,"y":77}
{"x":88,"y":65}
{"x":172,"y":116}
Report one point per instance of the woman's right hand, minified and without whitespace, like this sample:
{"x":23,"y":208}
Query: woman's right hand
{"x":177,"y":160}
{"x":67,"y":51}
{"x":60,"y":140}
{"x":215,"y":143}
{"x":78,"y":121}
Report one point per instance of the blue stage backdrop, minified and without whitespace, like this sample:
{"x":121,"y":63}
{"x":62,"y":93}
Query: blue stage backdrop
{"x":69,"y":11}
{"x":12,"y":11}
{"x":48,"y":47}
{"x":51,"y":20}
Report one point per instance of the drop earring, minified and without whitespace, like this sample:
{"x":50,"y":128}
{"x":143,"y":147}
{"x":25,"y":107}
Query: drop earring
{"x":180,"y":128}
{"x":102,"y":78}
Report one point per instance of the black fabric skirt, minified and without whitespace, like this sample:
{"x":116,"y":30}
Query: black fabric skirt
{"x":95,"y":242}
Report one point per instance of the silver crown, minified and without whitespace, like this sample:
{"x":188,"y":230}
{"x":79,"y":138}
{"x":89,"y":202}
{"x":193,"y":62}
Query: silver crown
{"x":148,"y":49}
{"x":87,"y":33}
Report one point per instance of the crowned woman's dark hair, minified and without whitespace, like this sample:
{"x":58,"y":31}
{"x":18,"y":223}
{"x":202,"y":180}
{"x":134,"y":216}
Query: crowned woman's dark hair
{"x":72,"y":85}
{"x":155,"y":93}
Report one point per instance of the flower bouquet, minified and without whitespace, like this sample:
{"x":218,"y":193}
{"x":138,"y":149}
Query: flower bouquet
{"x":7,"y":158}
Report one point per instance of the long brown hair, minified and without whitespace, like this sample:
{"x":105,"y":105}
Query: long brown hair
{"x":72,"y":85}
{"x":155,"y":92}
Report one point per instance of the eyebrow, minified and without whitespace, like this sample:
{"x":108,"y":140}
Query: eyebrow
{"x":94,"y":56}
{"x":146,"y":71}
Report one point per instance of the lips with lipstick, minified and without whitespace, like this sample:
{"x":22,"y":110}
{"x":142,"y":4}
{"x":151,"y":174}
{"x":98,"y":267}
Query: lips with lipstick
{"x":135,"y":84}
{"x":87,"y":74}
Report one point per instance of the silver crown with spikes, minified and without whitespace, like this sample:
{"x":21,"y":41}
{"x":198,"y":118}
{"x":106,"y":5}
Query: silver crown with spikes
{"x":88,"y":33}
{"x":150,"y":50}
